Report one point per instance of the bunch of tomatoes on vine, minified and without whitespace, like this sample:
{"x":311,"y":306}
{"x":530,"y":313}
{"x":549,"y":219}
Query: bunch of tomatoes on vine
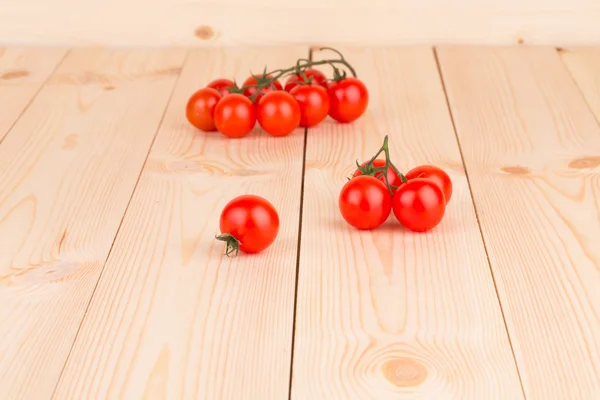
{"x":418,"y":199}
{"x":305,"y":99}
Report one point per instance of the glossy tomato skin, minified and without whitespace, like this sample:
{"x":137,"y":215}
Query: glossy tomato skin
{"x":278,"y":113}
{"x":349,"y":99}
{"x":419,"y":204}
{"x":252,"y":220}
{"x":318,"y":78}
{"x":200,"y":109}
{"x":314,"y":104}
{"x":235,"y":115}
{"x":222,"y":85}
{"x":393,"y":178}
{"x":434,"y":173}
{"x":365,"y":202}
{"x":251,"y":80}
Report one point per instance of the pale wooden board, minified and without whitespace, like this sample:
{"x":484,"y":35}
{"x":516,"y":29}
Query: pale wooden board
{"x":260,"y":22}
{"x":68,"y":170}
{"x":532,"y":150}
{"x":584,"y":65}
{"x":172,"y":316}
{"x":22,"y":72}
{"x":390,"y":313}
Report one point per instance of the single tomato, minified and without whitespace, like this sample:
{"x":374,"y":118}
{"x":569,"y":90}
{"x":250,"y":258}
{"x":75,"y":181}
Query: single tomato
{"x":393,"y":178}
{"x":248,"y":223}
{"x":365,"y":202}
{"x":419,"y":204}
{"x":235,"y":115}
{"x":436,"y":174}
{"x":349,"y":99}
{"x":222,"y":85}
{"x":278,"y":113}
{"x":252,"y":80}
{"x":318,"y":78}
{"x":200,"y":108}
{"x":314,"y":104}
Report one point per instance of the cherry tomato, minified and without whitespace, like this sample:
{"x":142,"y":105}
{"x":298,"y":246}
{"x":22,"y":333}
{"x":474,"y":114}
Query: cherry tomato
{"x":349,"y":99}
{"x":393,"y":178}
{"x":278,"y":113}
{"x":248,"y":223}
{"x":314,"y":104}
{"x":419,"y":204}
{"x":200,"y":108}
{"x":235,"y":115}
{"x":365,"y":202}
{"x":318,"y":78}
{"x":276,"y":85}
{"x":434,"y":173}
{"x":221,"y":85}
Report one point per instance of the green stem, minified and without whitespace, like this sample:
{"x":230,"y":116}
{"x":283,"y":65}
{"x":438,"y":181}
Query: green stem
{"x":301,"y":65}
{"x":233,"y":245}
{"x":368,"y":168}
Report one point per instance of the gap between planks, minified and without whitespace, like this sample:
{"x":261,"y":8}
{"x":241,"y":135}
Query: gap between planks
{"x":135,"y":186}
{"x":485,"y":245}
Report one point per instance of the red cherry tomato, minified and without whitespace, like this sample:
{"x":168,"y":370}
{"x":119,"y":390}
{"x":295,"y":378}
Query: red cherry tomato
{"x":434,"y":173}
{"x":393,"y":178}
{"x":278,"y":113}
{"x":200,"y":109}
{"x":222,"y":85}
{"x":419,"y":204}
{"x":318,"y":78}
{"x":248,"y":223}
{"x":276,"y":85}
{"x":349,"y":99}
{"x":314,"y":104}
{"x":365,"y":202}
{"x":235,"y":115}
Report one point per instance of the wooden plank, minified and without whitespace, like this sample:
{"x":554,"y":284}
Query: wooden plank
{"x":531,"y":149}
{"x":69,"y":167}
{"x":390,"y":313}
{"x":584,"y":65}
{"x":23,"y":71}
{"x":172,"y":316}
{"x":240,"y":22}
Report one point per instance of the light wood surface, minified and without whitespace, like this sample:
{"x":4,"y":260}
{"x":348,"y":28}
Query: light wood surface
{"x":23,"y":71}
{"x":259,"y":22}
{"x":584,"y":65}
{"x":112,"y":285}
{"x":172,"y":317}
{"x":379,"y":309}
{"x":532,"y":150}
{"x":67,"y":171}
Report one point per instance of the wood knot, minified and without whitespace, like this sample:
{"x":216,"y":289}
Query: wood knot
{"x":516,"y":170}
{"x":404,"y":372}
{"x":204,"y":32}
{"x":585,"y":162}
{"x":16,"y":74}
{"x":70,"y":141}
{"x":109,"y":87}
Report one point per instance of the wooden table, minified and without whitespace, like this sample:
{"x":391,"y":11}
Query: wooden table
{"x":113,"y":287}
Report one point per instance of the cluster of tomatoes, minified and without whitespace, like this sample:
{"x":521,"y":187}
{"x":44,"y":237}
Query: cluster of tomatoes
{"x":305,"y":99}
{"x":418,"y":198}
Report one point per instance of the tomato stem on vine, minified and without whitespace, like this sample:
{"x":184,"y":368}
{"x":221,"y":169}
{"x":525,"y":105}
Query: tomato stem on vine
{"x":369,"y":169}
{"x":233,"y":245}
{"x":266,"y":79}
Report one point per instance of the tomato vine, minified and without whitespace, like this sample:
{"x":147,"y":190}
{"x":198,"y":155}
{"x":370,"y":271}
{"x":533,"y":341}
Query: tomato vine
{"x":369,"y":169}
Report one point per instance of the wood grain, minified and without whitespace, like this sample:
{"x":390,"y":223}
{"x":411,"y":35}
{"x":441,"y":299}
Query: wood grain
{"x":532,"y":151}
{"x":239,"y":22}
{"x":173,"y":317}
{"x":22,"y":72}
{"x":584,"y":65}
{"x":67,"y":172}
{"x":390,"y":314}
